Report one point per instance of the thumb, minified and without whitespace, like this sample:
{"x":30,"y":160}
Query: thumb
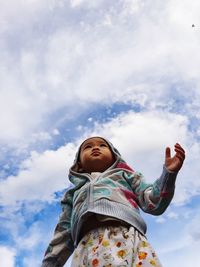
{"x":167,"y":152}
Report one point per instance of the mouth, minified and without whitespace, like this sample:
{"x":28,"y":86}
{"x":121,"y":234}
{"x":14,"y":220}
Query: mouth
{"x":96,"y":153}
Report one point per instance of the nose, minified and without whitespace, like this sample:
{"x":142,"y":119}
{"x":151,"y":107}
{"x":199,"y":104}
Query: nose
{"x":95,"y":148}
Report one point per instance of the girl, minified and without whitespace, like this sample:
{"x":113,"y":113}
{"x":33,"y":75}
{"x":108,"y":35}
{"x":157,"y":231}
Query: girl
{"x":100,"y":220}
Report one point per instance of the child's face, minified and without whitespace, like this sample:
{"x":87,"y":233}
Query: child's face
{"x":95,"y":155}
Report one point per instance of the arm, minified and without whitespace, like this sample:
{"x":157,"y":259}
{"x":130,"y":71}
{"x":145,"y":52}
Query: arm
{"x":155,"y":198}
{"x":61,"y":246}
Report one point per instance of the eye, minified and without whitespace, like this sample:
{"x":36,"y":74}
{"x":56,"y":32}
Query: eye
{"x":103,"y":145}
{"x":87,"y":146}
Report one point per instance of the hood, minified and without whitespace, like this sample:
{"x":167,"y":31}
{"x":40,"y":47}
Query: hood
{"x":75,"y":167}
{"x":119,"y":162}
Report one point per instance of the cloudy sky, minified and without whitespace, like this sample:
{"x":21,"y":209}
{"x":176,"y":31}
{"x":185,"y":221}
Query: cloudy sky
{"x":127,"y":70}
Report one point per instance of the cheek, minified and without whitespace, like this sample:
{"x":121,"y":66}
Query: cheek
{"x":111,"y":156}
{"x":83,"y":158}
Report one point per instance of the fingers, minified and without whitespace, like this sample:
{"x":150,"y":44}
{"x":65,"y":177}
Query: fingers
{"x":174,"y":163}
{"x":178,"y":146}
{"x":167,"y":152}
{"x":178,"y":149}
{"x":180,"y":152}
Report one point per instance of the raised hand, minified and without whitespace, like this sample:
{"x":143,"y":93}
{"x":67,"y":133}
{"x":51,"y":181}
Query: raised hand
{"x":174,"y":163}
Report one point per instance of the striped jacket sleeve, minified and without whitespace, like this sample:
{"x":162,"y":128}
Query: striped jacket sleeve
{"x":154,"y":198}
{"x":61,"y":246}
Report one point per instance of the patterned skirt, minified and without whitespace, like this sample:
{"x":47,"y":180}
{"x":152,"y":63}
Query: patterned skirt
{"x":114,"y":246}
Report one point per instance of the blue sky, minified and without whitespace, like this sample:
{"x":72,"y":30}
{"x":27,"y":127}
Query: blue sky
{"x":127,"y":70}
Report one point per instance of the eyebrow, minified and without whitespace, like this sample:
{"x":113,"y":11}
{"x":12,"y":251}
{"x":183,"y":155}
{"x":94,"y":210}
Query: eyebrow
{"x":87,"y":143}
{"x":90,"y":143}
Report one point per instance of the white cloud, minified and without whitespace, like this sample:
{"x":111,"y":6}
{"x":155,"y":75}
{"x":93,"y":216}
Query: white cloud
{"x":140,"y":137}
{"x":160,"y":220}
{"x":143,"y":137}
{"x":184,"y":242}
{"x":10,"y":12}
{"x":86,"y":3}
{"x":139,"y":59}
{"x":39,"y":177}
{"x":30,"y":239}
{"x":7,"y":255}
{"x":184,"y":13}
{"x":172,"y":215}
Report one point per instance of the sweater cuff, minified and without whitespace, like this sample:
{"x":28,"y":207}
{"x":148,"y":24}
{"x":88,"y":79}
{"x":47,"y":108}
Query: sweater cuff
{"x":51,"y":263}
{"x":168,"y":179}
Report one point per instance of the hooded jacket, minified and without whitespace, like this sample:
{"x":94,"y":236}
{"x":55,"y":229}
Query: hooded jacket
{"x":119,"y":192}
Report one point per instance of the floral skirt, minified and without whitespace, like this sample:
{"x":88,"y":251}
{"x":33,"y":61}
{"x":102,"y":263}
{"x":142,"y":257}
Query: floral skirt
{"x":114,"y":246}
